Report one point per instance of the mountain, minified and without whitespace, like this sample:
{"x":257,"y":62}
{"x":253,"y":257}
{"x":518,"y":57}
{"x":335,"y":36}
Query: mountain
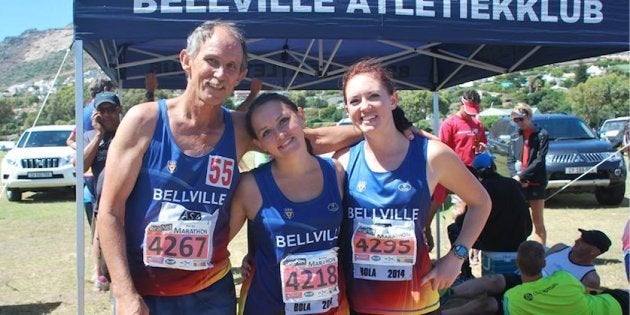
{"x":36,"y":55}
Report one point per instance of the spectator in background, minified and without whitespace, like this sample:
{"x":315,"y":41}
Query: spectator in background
{"x":465,"y":135}
{"x":557,"y":293}
{"x":99,"y":85}
{"x":105,"y":121}
{"x":487,"y":292}
{"x":526,"y":163}
{"x":509,"y":223}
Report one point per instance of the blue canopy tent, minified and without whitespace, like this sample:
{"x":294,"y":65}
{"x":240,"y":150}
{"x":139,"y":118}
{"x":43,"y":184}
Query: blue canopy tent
{"x":308,"y":44}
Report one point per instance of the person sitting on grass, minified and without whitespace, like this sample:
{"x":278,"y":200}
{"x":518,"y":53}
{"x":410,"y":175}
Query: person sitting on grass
{"x":487,"y":291}
{"x":509,"y":223}
{"x":558,"y":293}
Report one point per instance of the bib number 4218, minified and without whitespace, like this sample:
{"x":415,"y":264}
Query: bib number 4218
{"x":220,"y":171}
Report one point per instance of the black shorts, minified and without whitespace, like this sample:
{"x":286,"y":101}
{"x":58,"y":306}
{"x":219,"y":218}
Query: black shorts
{"x":534,"y":192}
{"x":511,"y":280}
{"x":622,"y":298}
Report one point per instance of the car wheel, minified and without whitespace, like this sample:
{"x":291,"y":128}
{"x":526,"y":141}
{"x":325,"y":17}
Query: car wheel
{"x":14,"y":194}
{"x":610,"y":196}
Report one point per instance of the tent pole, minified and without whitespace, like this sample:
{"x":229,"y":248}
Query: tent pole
{"x":436,"y":129}
{"x":78,"y":117}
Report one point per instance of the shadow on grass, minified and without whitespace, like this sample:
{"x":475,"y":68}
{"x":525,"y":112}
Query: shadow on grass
{"x":606,"y":261}
{"x":61,"y":195}
{"x":585,"y":201}
{"x":35,"y":308}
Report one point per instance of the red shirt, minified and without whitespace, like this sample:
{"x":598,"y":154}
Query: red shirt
{"x":525,"y":158}
{"x":463,"y":136}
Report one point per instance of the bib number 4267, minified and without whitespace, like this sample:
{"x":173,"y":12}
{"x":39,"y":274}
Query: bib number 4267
{"x":220,"y":171}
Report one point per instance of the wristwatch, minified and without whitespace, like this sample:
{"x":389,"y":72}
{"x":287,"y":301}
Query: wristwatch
{"x":460,"y":251}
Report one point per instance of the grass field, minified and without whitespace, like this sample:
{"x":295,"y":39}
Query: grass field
{"x":38,"y":273}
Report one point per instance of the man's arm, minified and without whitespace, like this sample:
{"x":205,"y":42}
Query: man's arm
{"x":124,"y":160}
{"x":91,"y":147}
{"x":72,"y":139}
{"x":591,"y":280}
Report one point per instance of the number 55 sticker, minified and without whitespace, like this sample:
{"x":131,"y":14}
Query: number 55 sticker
{"x":220,"y":171}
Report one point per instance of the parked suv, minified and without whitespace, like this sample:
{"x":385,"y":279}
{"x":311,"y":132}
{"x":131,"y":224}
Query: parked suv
{"x":573,"y":150}
{"x":40,"y":161}
{"x":614,"y":129}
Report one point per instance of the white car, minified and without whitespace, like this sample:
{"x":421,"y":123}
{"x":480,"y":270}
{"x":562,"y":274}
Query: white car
{"x":40,"y":161}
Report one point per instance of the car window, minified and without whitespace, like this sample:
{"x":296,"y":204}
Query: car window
{"x":48,"y":138}
{"x":613,"y":125}
{"x":566,"y":129}
{"x":501,"y":127}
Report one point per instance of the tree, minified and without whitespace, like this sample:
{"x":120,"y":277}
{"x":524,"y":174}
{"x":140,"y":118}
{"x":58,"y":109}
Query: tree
{"x":418,"y":104}
{"x":330,"y":113}
{"x":580,"y":74}
{"x":315,"y":102}
{"x":600,"y":97}
{"x":535,"y":84}
{"x":59,"y":108}
{"x":548,"y":101}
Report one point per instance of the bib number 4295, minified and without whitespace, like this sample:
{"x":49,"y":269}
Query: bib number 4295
{"x":220,"y":171}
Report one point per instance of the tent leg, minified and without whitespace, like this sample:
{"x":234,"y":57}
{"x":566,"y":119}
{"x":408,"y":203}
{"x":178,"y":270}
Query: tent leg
{"x":436,"y":130}
{"x":78,"y":114}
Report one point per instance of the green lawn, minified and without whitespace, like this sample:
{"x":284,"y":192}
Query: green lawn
{"x":38,"y":249}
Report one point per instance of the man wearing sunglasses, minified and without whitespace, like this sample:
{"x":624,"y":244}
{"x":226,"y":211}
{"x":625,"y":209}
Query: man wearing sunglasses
{"x":105,"y":120}
{"x":526,"y":164}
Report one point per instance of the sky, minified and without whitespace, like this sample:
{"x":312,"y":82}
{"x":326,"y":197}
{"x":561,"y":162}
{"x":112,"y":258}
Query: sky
{"x":16,"y":16}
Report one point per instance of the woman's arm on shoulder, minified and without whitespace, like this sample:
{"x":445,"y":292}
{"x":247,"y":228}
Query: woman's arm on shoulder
{"x":245,"y":203}
{"x":329,"y":139}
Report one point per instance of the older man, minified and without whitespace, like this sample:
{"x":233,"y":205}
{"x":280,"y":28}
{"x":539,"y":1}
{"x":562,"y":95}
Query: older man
{"x":170,"y":174}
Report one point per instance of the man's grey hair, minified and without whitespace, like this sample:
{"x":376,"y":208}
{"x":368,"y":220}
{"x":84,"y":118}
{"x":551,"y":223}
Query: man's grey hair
{"x":205,"y":31}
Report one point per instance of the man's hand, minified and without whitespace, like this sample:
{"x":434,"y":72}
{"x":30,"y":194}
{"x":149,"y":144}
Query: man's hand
{"x":255,"y":86}
{"x":97,"y":123}
{"x":150,"y":82}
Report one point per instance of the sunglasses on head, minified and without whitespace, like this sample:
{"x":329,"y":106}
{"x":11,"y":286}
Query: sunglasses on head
{"x":518,"y":119}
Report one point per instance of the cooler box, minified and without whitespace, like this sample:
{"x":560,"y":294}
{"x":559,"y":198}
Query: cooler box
{"x":497,"y":262}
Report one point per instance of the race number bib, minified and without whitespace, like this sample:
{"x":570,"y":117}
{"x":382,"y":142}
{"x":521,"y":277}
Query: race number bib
{"x":179,"y":244}
{"x":384,"y":251}
{"x":310,"y":282}
{"x":220,"y":171}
